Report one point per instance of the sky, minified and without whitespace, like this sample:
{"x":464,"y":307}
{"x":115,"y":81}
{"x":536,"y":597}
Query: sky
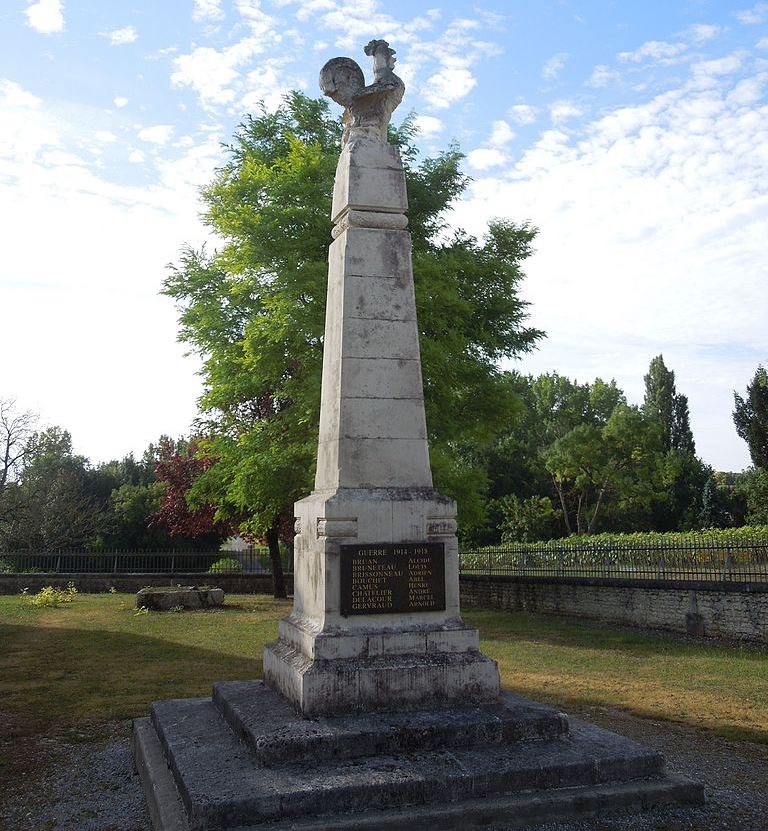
{"x":633,"y":135}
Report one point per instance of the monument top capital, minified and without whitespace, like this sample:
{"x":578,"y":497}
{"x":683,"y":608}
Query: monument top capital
{"x":367,"y":109}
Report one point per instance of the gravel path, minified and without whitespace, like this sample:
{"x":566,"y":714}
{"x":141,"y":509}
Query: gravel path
{"x":88,"y":784}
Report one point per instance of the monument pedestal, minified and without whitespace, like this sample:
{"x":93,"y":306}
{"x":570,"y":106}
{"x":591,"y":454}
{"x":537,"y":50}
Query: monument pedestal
{"x":245,"y":760}
{"x":377,"y":626}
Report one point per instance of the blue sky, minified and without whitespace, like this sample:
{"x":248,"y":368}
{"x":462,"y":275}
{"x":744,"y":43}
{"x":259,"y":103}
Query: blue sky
{"x":635,"y":135}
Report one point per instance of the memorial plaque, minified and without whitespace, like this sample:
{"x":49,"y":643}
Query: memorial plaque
{"x":386,"y":578}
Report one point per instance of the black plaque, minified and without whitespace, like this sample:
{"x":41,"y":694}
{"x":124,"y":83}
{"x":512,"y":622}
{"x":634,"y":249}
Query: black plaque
{"x":387,"y":578}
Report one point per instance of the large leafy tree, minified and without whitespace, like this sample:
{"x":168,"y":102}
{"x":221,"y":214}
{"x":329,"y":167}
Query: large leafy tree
{"x":593,"y":465}
{"x":750,"y":415}
{"x":254,"y":310}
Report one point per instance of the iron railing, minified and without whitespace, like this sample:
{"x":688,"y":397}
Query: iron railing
{"x":239,"y":561}
{"x":743,"y":561}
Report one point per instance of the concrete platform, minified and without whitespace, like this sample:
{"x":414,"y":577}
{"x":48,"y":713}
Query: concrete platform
{"x":512,"y":761}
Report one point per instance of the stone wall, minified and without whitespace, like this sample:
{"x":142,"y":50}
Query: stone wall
{"x":131,"y":583}
{"x":730,"y":611}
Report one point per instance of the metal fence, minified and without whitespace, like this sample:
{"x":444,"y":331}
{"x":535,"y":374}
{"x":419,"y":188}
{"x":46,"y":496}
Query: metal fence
{"x":745,"y":561}
{"x":239,"y":561}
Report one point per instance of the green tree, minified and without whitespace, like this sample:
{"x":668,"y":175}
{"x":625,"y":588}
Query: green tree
{"x":750,"y":415}
{"x":757,"y":497}
{"x":52,"y":505}
{"x":254,"y":310}
{"x":714,"y":510}
{"x":669,"y":408}
{"x":685,"y":475}
{"x":593,"y":466}
{"x":528,"y":520}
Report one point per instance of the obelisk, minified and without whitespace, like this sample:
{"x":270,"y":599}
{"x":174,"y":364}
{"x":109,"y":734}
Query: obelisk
{"x":376,"y":621}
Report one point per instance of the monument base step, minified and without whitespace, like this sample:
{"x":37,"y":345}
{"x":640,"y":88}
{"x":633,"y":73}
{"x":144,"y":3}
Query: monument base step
{"x":275,"y":733}
{"x":344,"y":685}
{"x":198,"y":775}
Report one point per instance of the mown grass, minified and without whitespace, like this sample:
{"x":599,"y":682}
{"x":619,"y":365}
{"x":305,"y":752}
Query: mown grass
{"x":96,"y":661}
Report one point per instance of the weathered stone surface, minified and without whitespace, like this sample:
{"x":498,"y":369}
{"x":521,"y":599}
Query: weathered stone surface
{"x":275,"y":781}
{"x":162,"y":599}
{"x":344,"y":685}
{"x":276,"y":734}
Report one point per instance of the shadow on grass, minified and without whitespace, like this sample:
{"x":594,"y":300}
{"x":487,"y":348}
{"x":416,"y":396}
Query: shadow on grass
{"x":52,"y":680}
{"x":496,"y":625}
{"x":714,"y":687}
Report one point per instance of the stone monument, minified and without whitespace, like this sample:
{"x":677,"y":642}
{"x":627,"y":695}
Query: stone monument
{"x":376,"y":620}
{"x":378,"y":710}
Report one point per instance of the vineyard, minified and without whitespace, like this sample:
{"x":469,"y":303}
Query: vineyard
{"x":732,"y":554}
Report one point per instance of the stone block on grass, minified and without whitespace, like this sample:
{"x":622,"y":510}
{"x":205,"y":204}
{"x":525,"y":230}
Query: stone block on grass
{"x":164,"y":598}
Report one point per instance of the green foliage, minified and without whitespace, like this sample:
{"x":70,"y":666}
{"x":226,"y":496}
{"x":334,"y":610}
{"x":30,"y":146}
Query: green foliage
{"x":750,"y":416}
{"x":755,"y":491}
{"x":254,"y":310}
{"x":742,"y":536}
{"x":663,"y":403}
{"x":714,"y":511}
{"x":618,"y":461}
{"x":226,"y":565}
{"x":528,"y":520}
{"x":49,"y":597}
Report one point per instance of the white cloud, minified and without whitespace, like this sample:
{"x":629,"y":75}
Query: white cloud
{"x":654,"y":235}
{"x":757,"y":14}
{"x":749,"y":90}
{"x":485,"y":158}
{"x":428,"y":125}
{"x":552,"y":67}
{"x":656,"y":50}
{"x":561,"y":111}
{"x":26,"y":130}
{"x":702,"y":32}
{"x":448,"y":85}
{"x":501,"y":134}
{"x":157,"y":134}
{"x":46,"y":16}
{"x":212,"y":73}
{"x":602,"y":76}
{"x":121,"y":37}
{"x":105,"y":136}
{"x":707,"y":73}
{"x":523,"y":113}
{"x":50,"y":181}
{"x":207,"y":10}
{"x":119,"y":101}
{"x":136,"y":156}
{"x":15,"y":96}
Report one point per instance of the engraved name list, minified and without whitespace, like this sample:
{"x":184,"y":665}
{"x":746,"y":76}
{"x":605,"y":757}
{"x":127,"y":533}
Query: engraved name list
{"x":385,"y":578}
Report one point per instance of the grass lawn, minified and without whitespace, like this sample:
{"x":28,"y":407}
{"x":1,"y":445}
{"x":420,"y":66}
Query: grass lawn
{"x":96,"y":661}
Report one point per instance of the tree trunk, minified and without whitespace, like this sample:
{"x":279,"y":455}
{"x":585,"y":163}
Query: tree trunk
{"x":278,"y":578}
{"x":578,"y":513}
{"x":562,"y":504}
{"x":597,"y":508}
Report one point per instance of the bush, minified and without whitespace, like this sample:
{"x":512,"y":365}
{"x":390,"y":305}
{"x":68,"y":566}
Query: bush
{"x":7,"y":566}
{"x":528,"y":520}
{"x":49,"y":596}
{"x":226,"y":565}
